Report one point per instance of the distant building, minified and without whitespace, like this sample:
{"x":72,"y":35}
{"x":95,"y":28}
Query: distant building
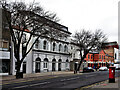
{"x":105,"y":57}
{"x":111,"y":51}
{"x":96,"y":59}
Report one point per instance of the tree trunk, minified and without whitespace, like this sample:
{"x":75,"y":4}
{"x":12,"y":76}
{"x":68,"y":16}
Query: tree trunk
{"x":80,"y":64}
{"x":82,"y":58}
{"x":18,"y":73}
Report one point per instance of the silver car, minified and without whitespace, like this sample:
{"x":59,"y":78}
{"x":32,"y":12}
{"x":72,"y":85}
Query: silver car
{"x":103,"y":69}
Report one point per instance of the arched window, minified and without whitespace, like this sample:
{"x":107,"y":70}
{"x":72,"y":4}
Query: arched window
{"x":37,"y":44}
{"x":45,"y":63}
{"x":65,"y":48}
{"x":38,"y":59}
{"x":60,"y":60}
{"x":45,"y":45}
{"x":54,"y":46}
{"x":54,"y":60}
{"x":60,"y":47}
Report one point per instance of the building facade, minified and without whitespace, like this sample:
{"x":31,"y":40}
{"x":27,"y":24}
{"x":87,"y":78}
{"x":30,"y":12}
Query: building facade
{"x":46,"y":55}
{"x":105,"y":57}
{"x":58,"y":54}
{"x":96,"y":59}
{"x":4,"y":46}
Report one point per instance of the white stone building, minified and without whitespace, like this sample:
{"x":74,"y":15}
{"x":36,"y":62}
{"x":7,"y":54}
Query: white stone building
{"x":46,"y":55}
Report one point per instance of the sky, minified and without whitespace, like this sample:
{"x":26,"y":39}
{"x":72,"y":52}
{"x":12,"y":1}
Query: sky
{"x":86,"y":14}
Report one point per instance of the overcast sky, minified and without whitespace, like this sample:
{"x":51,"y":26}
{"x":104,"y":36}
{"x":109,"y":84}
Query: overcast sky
{"x":86,"y":14}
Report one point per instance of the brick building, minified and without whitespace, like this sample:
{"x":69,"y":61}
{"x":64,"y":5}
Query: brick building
{"x":111,"y":51}
{"x":96,"y":59}
{"x":105,"y":57}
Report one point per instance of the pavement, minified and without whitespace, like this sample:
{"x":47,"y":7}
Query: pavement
{"x":7,"y":79}
{"x":11,"y":77}
{"x":104,"y":85}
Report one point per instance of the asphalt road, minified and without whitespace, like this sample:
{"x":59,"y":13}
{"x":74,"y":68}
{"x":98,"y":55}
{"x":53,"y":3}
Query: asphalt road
{"x":64,"y":82}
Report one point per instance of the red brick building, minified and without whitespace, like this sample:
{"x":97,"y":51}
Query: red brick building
{"x":96,"y":59}
{"x":104,"y":57}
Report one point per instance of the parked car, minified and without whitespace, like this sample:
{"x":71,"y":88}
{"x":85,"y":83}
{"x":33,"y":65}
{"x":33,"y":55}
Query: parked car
{"x":103,"y":69}
{"x":88,"y":69}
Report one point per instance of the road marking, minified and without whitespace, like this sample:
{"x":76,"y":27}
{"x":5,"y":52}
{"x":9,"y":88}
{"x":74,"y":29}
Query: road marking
{"x":90,"y":75}
{"x":63,"y":80}
{"x":69,"y":79}
{"x":20,"y":86}
{"x":40,"y":83}
{"x":31,"y":85}
{"x":73,"y":78}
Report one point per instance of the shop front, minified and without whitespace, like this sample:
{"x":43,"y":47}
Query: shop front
{"x":4,"y":63}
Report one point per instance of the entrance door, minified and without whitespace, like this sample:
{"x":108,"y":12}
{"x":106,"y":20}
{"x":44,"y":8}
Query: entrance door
{"x":24,"y":67}
{"x":37,"y":67}
{"x":53,"y":66}
{"x":59,"y":66}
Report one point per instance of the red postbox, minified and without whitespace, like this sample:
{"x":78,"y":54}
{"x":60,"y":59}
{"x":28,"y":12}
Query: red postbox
{"x":111,"y":74}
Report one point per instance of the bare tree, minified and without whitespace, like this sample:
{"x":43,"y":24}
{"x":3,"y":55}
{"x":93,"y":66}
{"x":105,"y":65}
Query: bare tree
{"x":87,"y":41}
{"x":32,"y":19}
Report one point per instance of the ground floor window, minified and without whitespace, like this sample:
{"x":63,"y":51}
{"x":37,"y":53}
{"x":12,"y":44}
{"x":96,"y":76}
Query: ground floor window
{"x":45,"y":64}
{"x":5,"y":66}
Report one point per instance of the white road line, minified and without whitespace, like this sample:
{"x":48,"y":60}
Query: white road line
{"x":21,"y":86}
{"x":31,"y":85}
{"x":63,"y":80}
{"x":73,"y":78}
{"x":40,"y":83}
{"x":90,"y":75}
{"x":69,"y":79}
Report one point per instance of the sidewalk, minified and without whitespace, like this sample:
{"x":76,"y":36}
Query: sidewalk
{"x":10,"y":77}
{"x":105,"y":84}
{"x":36,"y":76}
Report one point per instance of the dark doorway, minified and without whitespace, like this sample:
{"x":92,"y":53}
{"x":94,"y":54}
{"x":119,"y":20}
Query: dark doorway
{"x":59,"y":66}
{"x":53,"y":66}
{"x":37,"y":65}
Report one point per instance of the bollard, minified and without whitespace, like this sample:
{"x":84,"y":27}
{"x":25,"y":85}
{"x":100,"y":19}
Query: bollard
{"x":111,"y":74}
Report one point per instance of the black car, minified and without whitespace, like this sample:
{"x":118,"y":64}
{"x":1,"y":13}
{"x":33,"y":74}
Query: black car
{"x":88,"y":69}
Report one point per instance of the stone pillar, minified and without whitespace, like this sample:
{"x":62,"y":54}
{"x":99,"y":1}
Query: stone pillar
{"x":41,"y":67}
{"x":33,"y":66}
{"x":56,"y":66}
{"x":50,"y":66}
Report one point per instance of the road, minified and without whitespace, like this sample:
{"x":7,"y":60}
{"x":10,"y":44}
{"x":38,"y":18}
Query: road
{"x":63,"y":82}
